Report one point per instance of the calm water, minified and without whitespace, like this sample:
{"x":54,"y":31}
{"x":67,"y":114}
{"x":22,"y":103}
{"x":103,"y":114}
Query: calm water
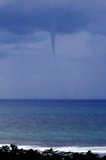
{"x":53,"y":123}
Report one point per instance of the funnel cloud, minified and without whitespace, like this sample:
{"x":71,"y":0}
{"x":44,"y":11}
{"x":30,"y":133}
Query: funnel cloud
{"x":53,"y":43}
{"x":53,"y":36}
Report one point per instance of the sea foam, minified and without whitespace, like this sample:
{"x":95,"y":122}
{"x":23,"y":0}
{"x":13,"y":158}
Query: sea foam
{"x":93,"y":149}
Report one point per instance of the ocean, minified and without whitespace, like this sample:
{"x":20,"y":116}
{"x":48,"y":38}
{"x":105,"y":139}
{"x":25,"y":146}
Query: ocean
{"x":62,"y":124}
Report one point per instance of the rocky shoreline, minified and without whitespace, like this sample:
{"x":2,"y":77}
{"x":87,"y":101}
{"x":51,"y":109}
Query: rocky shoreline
{"x":12,"y":152}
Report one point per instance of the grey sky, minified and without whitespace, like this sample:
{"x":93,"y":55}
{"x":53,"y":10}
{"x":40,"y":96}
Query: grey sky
{"x":27,"y":69}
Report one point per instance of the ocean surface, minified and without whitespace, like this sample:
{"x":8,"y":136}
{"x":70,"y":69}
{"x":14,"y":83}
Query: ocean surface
{"x":53,"y":123}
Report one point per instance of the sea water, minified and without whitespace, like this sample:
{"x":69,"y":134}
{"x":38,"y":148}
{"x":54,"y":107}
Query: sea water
{"x":79,"y":124}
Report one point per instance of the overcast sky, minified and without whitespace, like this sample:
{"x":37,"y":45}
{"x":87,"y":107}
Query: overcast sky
{"x":27,"y":66}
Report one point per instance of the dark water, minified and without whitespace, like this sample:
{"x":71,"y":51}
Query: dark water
{"x":53,"y":122}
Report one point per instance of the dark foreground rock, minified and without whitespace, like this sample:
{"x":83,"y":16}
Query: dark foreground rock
{"x":13,"y":153}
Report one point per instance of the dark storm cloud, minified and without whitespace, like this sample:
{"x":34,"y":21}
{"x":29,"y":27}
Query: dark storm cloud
{"x":69,"y":16}
{"x":66,"y":21}
{"x":78,"y":27}
{"x":54,"y":20}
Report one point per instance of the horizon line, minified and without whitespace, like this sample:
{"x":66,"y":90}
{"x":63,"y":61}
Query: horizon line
{"x":54,"y":99}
